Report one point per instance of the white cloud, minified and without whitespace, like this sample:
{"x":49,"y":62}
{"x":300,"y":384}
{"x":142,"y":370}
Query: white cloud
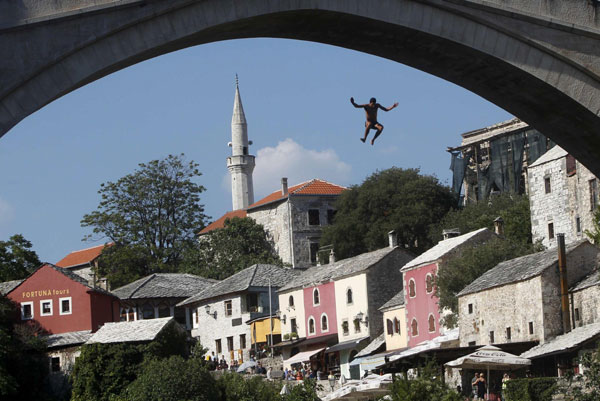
{"x":7,"y":212}
{"x":290,"y":159}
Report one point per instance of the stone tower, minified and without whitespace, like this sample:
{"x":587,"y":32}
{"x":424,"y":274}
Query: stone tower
{"x":240,"y":164}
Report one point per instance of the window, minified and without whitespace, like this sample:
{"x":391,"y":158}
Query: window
{"x":576,"y":314}
{"x":429,"y":283}
{"x":242,"y":341}
{"x":123,"y":315}
{"x":314,"y":252}
{"x":164,"y":311}
{"x":230,"y":343}
{"x":530,"y":327}
{"x":571,"y":166}
{"x":356,"y":325}
{"x":349,"y":296}
{"x":65,"y":306}
{"x":412,"y":292}
{"x":492,"y":337}
{"x":245,"y":150}
{"x":228,"y":308}
{"x":316,"y":300}
{"x":293,"y":326}
{"x":147,"y":312}
{"x":311,"y":325}
{"x":26,"y":310}
{"x":472,"y":343}
{"x":397,"y":325}
{"x":252,"y":302}
{"x":324,"y":325}
{"x":414,"y":327}
{"x":313,"y":217}
{"x":470,"y":308}
{"x":508,"y":334}
{"x":330,"y":216}
{"x":55,"y":364}
{"x":345,"y":327}
{"x":218,"y":346}
{"x":390,"y":327}
{"x":550,"y":230}
{"x":578,"y":224}
{"x":291,"y":301}
{"x":547,"y":185}
{"x":431,"y":322}
{"x":593,"y":194}
{"x":46,"y":307}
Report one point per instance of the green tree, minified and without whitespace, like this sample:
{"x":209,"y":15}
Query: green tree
{"x":23,"y":362}
{"x":235,"y":387}
{"x":428,"y":385}
{"x":306,"y":391}
{"x":172,"y":379}
{"x":587,"y":386}
{"x":239,"y":244}
{"x":594,"y":233}
{"x":152,"y":216}
{"x":513,"y":209}
{"x":394,"y":199}
{"x":17,"y":259}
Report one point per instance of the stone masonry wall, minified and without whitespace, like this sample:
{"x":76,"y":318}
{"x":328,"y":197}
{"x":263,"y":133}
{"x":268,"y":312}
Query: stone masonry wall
{"x":587,"y":304}
{"x":275,"y":219}
{"x":580,"y":200}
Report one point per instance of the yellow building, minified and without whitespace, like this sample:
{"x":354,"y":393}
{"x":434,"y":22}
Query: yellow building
{"x":261,"y":330}
{"x":394,"y":323}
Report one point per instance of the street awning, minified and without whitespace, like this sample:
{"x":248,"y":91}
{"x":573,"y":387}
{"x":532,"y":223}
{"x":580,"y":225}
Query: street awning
{"x":490,"y":357}
{"x":302,"y":356}
{"x":370,"y":362}
{"x":346,"y":345}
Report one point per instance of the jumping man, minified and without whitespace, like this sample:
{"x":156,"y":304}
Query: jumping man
{"x":371,"y":110}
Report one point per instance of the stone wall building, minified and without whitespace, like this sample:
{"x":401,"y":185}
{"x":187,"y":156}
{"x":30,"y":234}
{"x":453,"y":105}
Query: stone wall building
{"x":494,"y":159}
{"x":84,"y":263}
{"x":519,"y":299}
{"x":563,"y":196}
{"x":585,"y":301}
{"x":220,"y":312}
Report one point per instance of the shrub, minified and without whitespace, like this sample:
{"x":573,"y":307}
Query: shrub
{"x":538,"y":389}
{"x":235,"y":387}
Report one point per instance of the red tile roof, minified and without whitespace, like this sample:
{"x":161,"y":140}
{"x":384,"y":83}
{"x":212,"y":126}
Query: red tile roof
{"x":312,"y":187}
{"x":220,"y":223}
{"x":77,"y":258}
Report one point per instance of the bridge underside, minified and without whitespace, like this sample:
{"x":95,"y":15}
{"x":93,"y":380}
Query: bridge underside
{"x":483,"y":52}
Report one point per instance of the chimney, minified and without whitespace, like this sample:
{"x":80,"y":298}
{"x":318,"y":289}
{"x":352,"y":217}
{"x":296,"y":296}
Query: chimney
{"x":393,"y":239}
{"x":499,"y":226}
{"x":284,"y":187}
{"x":450,"y":233}
{"x":331,"y":256}
{"x":564,"y":284}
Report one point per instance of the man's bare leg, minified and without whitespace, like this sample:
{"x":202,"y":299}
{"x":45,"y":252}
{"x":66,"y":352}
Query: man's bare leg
{"x":379,"y":129}
{"x":367,"y":129}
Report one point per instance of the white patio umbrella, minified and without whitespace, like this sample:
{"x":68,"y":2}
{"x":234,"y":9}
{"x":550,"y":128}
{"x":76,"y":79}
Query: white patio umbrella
{"x":491,"y":358}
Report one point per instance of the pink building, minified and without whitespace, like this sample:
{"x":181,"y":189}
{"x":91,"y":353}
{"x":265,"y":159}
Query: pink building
{"x":422,"y":311}
{"x":319,"y":310}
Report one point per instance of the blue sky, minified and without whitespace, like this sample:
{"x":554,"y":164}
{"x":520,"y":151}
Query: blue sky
{"x":296,"y":98}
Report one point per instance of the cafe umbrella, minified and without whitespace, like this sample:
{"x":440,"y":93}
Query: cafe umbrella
{"x":490,"y":358}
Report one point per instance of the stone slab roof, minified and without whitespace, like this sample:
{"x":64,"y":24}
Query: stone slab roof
{"x":254,"y":276}
{"x":518,"y":269}
{"x":136,"y":331}
{"x":565,"y":342}
{"x":396,"y":300}
{"x":68,"y":339}
{"x":339,"y":269}
{"x":81,"y":257}
{"x":164,"y":285}
{"x":8,"y":286}
{"x":373,"y":346}
{"x":220,"y":222}
{"x":590,"y":280}
{"x":555,"y":153}
{"x":442,"y":248}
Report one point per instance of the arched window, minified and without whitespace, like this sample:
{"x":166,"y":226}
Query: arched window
{"x":412,"y":289}
{"x":349,"y":296}
{"x":429,"y":283}
{"x":431,"y":322}
{"x":324,"y":323}
{"x":147,"y":311}
{"x":316,"y":300}
{"x":164,"y":310}
{"x":414,"y":326}
{"x":390,"y":327}
{"x":396,"y":325}
{"x":311,"y":325}
{"x":291,"y":301}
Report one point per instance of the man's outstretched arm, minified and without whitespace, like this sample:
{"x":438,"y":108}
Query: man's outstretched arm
{"x":389,"y":108}
{"x":358,"y":106}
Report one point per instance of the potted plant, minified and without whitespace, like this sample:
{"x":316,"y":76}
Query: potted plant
{"x":286,"y":336}
{"x":293,"y":335}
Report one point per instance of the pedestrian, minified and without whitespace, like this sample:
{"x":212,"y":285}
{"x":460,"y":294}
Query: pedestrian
{"x":474,"y":385}
{"x":481,"y":386}
{"x":371,"y":111}
{"x":505,"y":380}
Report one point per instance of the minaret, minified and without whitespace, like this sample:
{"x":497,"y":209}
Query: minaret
{"x":240,"y":164}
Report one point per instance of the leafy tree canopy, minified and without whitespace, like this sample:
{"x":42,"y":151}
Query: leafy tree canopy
{"x":512,"y":208}
{"x":17,"y":259}
{"x":223,"y":252}
{"x":394,"y":199}
{"x":152,"y":215}
{"x":594,"y":233}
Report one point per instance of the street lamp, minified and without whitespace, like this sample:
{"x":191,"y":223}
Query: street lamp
{"x":207,"y":309}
